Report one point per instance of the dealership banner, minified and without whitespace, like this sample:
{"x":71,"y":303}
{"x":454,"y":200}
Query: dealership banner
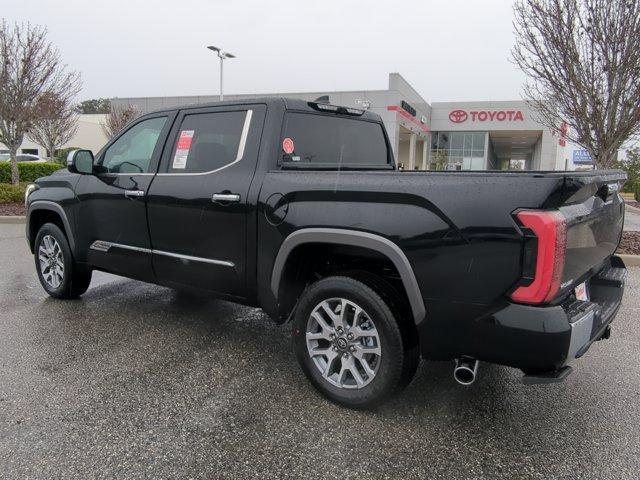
{"x":582,"y":157}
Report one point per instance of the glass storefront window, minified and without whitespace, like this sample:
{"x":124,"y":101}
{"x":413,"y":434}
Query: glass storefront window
{"x":458,"y":150}
{"x":457,"y":140}
{"x":443,"y":140}
{"x":478,"y":141}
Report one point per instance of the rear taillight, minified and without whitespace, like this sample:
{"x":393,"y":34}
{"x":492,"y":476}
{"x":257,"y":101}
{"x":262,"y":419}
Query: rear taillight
{"x":550,"y":230}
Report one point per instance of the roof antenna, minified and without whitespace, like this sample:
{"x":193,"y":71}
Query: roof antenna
{"x":322,"y":99}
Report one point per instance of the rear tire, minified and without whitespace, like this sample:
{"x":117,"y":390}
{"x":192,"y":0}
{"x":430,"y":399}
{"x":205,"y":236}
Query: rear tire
{"x":349,"y":343}
{"x":402,"y":313}
{"x":59,"y":274}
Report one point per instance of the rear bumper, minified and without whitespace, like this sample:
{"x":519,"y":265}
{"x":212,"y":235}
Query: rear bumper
{"x":589,"y":320}
{"x":545,"y":339}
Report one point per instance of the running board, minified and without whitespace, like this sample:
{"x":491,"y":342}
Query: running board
{"x":550,"y":377}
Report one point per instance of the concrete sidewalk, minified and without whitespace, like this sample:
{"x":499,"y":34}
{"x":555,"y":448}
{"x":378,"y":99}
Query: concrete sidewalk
{"x":631,"y":219}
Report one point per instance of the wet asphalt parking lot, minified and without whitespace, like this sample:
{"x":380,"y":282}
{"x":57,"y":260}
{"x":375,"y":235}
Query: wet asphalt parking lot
{"x":134,"y":381}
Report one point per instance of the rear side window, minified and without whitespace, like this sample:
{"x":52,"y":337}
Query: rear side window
{"x":325,"y":140}
{"x":207,"y":142}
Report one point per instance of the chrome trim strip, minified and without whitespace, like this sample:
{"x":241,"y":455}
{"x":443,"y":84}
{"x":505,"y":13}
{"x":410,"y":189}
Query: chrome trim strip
{"x":102,"y":246}
{"x":224,"y":263}
{"x":108,"y":174}
{"x":239,"y":155}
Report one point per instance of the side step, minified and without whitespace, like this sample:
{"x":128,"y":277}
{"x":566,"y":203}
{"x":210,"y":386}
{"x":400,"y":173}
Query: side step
{"x":550,"y":377}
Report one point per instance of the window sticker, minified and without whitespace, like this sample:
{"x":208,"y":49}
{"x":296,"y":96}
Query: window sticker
{"x":182,"y":149}
{"x":287,"y":146}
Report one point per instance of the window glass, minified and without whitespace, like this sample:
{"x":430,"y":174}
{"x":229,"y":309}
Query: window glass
{"x":434,"y":140}
{"x":457,"y":140}
{"x":207,"y":142}
{"x":324,"y":139}
{"x":443,"y":140}
{"x":131,"y":153}
{"x":464,"y":149}
{"x":468,"y":140}
{"x":478,"y":141}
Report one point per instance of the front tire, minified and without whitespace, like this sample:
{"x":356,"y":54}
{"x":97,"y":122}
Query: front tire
{"x":59,"y":274}
{"x":349,"y":343}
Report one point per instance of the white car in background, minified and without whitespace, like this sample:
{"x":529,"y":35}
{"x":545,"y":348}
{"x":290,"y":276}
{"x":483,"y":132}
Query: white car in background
{"x":23,"y":157}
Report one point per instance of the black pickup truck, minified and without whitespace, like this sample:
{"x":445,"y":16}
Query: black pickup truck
{"x":297,"y":207}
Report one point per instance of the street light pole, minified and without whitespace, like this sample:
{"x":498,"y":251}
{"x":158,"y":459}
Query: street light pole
{"x":222,"y":56}
{"x":221,"y":78}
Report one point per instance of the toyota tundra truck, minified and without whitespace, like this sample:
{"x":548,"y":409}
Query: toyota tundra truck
{"x":298,"y":208}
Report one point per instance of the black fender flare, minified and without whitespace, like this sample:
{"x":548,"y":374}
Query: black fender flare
{"x":355,"y":238}
{"x":54,"y":207}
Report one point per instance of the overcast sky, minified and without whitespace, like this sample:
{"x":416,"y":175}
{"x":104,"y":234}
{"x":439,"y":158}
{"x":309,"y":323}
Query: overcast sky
{"x":448,"y":50}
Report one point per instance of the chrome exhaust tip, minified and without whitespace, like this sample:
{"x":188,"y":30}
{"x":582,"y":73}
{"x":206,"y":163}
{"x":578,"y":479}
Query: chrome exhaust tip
{"x":465,"y":370}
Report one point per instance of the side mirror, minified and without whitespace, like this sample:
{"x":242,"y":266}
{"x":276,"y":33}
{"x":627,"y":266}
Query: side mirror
{"x":80,"y":161}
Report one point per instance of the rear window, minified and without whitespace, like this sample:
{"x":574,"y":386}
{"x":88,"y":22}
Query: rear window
{"x":207,"y":142}
{"x":330,"y":141}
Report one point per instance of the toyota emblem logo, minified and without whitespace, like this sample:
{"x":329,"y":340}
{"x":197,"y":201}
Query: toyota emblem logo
{"x":458,"y":116}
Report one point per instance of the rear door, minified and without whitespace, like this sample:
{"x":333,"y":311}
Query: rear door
{"x":197,"y":204}
{"x":112,"y":219}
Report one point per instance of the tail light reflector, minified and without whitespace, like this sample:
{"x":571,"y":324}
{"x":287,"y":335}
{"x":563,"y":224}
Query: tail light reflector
{"x":550,"y":228}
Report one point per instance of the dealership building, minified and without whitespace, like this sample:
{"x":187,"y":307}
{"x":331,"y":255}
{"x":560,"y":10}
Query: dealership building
{"x":441,"y":135}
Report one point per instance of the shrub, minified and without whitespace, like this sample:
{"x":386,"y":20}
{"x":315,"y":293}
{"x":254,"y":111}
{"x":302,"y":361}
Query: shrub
{"x":29,"y":171}
{"x":637,"y":193}
{"x":61,"y":155}
{"x":12,"y":193}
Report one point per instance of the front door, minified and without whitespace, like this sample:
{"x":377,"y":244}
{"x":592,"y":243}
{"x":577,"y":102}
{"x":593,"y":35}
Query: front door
{"x":112,"y":218}
{"x":197,"y":204}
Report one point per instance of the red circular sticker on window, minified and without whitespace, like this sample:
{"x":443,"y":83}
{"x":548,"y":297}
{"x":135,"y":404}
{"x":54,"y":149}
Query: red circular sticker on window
{"x":287,"y":146}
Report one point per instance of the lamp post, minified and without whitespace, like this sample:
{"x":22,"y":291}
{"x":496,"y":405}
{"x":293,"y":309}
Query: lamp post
{"x":222,"y":56}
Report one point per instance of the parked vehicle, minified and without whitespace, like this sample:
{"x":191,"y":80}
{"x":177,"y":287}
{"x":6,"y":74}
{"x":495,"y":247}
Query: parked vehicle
{"x":22,"y":157}
{"x":296,"y":207}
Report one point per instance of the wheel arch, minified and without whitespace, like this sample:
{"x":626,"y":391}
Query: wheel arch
{"x":42,"y":211}
{"x":352,"y":238}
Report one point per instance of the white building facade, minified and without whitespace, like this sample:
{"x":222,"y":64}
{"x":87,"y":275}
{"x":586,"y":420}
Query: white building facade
{"x":89,"y":136}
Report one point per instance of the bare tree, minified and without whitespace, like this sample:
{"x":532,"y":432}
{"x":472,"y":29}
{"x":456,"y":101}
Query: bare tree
{"x":118,"y":118}
{"x":56,"y":122}
{"x":29,"y":67}
{"x":582,"y":58}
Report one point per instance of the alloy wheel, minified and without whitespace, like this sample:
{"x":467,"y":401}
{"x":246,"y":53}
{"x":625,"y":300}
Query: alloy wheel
{"x":343,"y":343}
{"x":51,"y":261}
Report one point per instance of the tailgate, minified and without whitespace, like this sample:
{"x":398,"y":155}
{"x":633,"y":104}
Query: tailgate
{"x":594,"y":212}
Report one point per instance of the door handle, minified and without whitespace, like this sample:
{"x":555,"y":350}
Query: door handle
{"x":134,"y":193}
{"x":225,"y":198}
